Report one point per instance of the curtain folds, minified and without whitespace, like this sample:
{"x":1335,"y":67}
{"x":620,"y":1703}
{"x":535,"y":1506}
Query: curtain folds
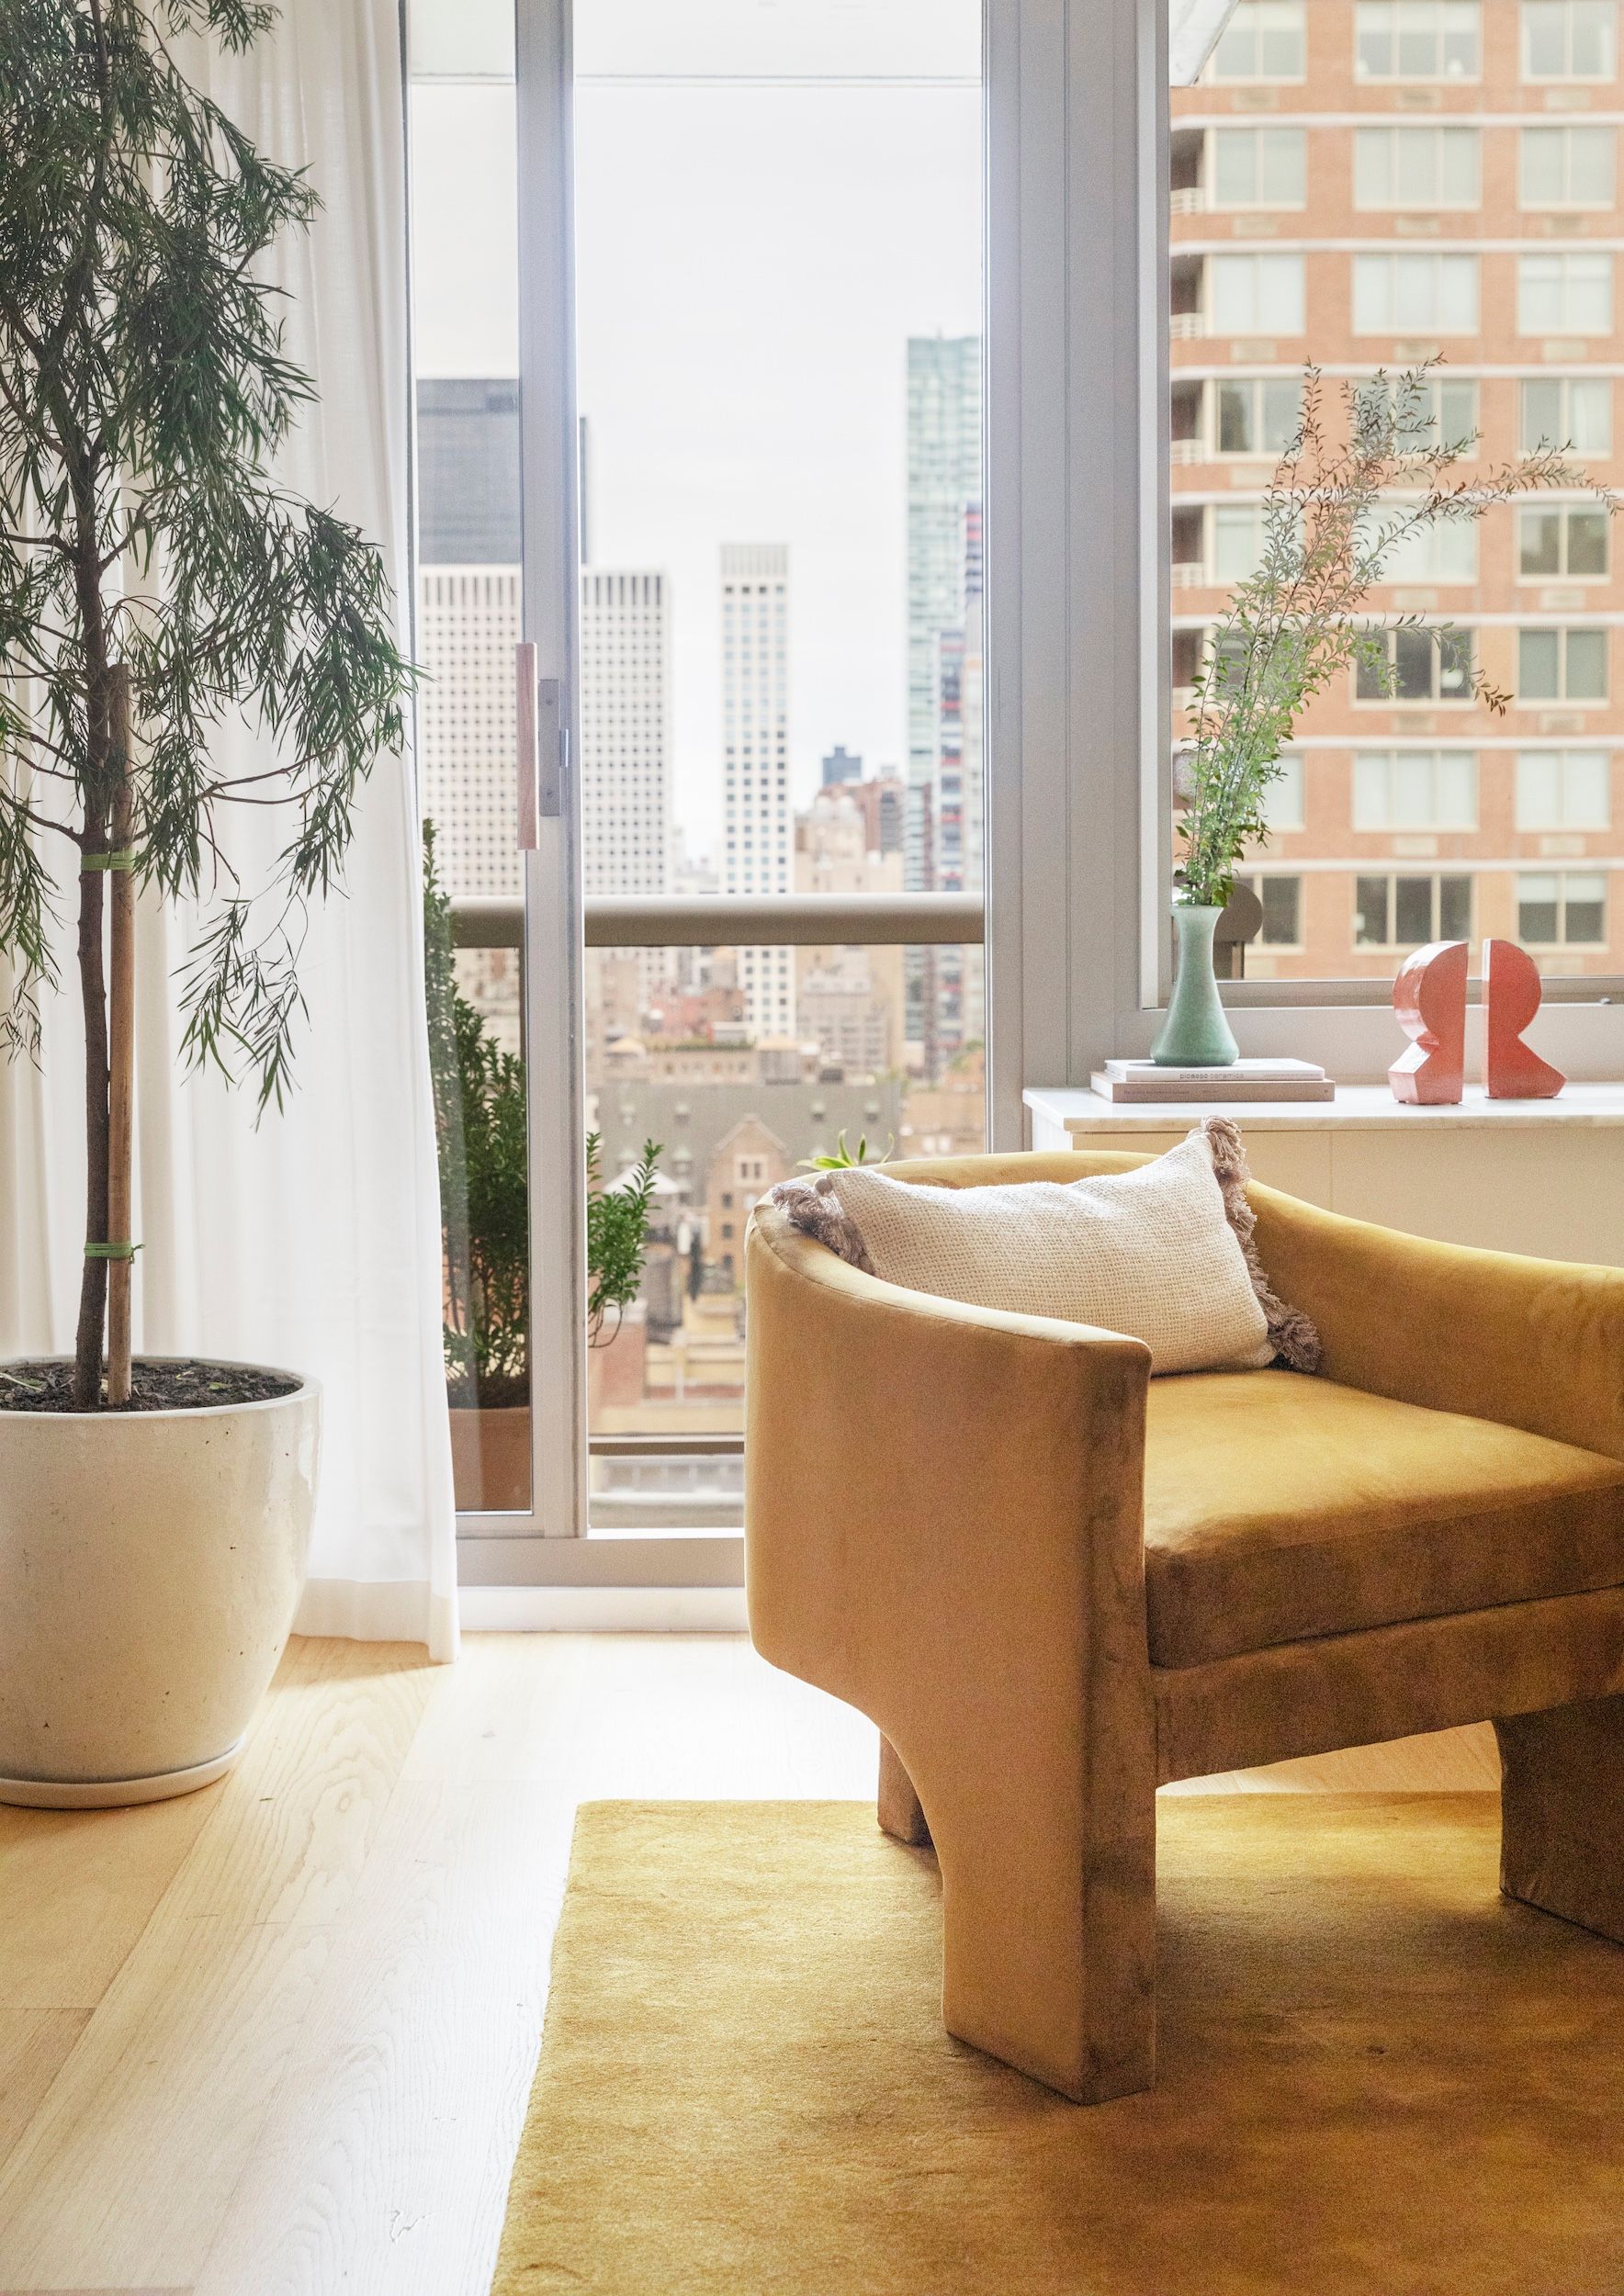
{"x":311,"y":1239}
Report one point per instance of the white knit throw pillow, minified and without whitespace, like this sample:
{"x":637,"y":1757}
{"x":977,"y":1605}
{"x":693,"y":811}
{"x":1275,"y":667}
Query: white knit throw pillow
{"x":1150,"y":1253}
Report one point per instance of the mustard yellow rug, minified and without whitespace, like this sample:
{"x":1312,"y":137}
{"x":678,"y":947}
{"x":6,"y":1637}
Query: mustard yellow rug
{"x":1377,"y":2077}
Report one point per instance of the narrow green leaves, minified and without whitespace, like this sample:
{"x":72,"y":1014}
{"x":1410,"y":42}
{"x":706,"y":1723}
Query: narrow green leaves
{"x":146,"y":394}
{"x":1356,"y":482}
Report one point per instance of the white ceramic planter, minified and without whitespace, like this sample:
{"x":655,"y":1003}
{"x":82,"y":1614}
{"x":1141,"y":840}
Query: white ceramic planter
{"x":150,"y":1566}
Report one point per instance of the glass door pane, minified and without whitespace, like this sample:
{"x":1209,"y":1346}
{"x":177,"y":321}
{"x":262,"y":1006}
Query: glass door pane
{"x":752,"y":563}
{"x":778,"y":278}
{"x":469,"y":620}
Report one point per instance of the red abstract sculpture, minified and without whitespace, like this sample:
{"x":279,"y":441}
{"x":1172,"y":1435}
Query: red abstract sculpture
{"x":1513,"y":1070}
{"x":1430,"y":997}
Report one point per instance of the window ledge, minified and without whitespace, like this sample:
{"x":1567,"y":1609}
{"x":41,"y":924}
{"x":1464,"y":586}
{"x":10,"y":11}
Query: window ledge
{"x":1357,"y":1108}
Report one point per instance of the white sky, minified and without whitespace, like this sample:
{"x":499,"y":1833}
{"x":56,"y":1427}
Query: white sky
{"x":751,"y":259}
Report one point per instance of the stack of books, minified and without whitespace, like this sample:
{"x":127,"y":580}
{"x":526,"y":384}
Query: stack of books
{"x":1241,"y":1080}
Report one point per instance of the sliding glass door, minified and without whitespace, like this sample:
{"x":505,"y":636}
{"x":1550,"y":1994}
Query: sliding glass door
{"x":700,"y":410}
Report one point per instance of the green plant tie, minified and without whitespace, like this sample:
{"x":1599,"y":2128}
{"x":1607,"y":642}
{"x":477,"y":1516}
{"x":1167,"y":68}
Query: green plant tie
{"x":111,"y":1251}
{"x":125,"y":859}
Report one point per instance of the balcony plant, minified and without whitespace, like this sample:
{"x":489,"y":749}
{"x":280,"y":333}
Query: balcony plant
{"x":479,"y":1118}
{"x":1359,"y":479}
{"x":841,"y":1158}
{"x":157,"y":582}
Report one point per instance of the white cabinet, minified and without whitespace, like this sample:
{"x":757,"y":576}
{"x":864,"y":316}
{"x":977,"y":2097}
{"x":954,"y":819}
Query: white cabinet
{"x":1542,"y":1177}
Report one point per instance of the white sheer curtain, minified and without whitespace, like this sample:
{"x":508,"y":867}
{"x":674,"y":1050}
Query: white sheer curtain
{"x":310,"y":1240}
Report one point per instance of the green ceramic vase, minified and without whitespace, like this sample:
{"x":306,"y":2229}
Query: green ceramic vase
{"x":1195,"y":1033}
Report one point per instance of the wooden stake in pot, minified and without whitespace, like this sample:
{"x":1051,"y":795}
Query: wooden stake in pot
{"x":121,"y":1039}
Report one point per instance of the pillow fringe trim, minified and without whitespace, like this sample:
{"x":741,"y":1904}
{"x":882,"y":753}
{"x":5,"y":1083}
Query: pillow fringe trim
{"x":815,"y":1209}
{"x":1291,"y":1333}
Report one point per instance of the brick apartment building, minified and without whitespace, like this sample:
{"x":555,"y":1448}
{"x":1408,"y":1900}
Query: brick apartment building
{"x":1366,"y":184}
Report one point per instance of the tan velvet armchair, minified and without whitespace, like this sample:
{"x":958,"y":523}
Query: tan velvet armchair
{"x":1055,"y":1584}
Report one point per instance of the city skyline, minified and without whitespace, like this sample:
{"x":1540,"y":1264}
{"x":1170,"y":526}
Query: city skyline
{"x":468,"y":543}
{"x":742,"y":359}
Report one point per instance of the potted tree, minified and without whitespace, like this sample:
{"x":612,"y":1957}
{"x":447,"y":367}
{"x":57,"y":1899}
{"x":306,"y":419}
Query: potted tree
{"x":1358,"y":481}
{"x":155,"y":579}
{"x":479,"y":1119}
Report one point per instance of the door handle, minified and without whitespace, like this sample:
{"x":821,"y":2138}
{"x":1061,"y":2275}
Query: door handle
{"x":542,"y":747}
{"x":552,"y":747}
{"x":524,"y":670}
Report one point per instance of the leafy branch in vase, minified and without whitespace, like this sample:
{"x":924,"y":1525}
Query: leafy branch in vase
{"x":1345,"y":496}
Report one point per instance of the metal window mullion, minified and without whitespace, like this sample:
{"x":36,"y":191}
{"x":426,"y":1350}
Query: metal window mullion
{"x":1076,"y":551}
{"x":553,"y":987}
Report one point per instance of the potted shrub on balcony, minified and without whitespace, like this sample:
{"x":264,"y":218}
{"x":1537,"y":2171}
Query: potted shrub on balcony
{"x":155,"y":581}
{"x":480,"y":1119}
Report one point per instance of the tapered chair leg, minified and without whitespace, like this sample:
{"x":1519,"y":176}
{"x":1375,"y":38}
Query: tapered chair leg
{"x":1048,"y":1940}
{"x":899,"y":1809}
{"x":1561,"y":1800}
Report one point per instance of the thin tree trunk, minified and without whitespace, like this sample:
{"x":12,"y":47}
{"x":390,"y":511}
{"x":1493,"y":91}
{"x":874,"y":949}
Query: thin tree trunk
{"x":92,"y":1287}
{"x":121,"y":1040}
{"x":92,"y":994}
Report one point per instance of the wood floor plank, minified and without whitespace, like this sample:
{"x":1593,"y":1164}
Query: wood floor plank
{"x":748,"y":1730}
{"x":290,"y":1829}
{"x":125,"y":2172}
{"x":182,"y":2057}
{"x":1444,"y":1762}
{"x":382,"y":2167}
{"x":509,"y":1708}
{"x":77,"y":1887}
{"x":34,"y":2045}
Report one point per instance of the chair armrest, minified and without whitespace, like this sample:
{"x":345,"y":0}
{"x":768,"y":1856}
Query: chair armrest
{"x":945,"y":1525}
{"x":1528,"y":1343}
{"x":944,"y":1513}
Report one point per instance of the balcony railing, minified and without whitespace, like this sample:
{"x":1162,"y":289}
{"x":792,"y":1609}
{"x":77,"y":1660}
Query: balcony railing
{"x":1189,"y":200}
{"x":800,"y":921}
{"x":719,"y":921}
{"x":1187,"y":326}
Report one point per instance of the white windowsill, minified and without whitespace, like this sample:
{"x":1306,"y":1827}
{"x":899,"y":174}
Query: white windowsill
{"x":1357,"y":1108}
{"x":1357,"y":1043}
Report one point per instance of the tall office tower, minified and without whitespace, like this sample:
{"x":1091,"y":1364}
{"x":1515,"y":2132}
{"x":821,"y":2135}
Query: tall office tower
{"x":944,"y":1025}
{"x":972,"y":768}
{"x":883,"y":804}
{"x":921,"y":968}
{"x":468,"y":471}
{"x":944,"y":475}
{"x":959,"y":973}
{"x":840,"y":766}
{"x":1371,"y":184}
{"x":624,"y":734}
{"x":468,"y":624}
{"x":758,"y":839}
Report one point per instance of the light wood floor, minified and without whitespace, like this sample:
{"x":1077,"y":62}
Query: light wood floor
{"x":277,"y":2036}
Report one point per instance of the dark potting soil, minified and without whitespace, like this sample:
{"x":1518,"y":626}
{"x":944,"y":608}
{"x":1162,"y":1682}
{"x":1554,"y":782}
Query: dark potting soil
{"x":501,"y":1392}
{"x":171,"y":1385}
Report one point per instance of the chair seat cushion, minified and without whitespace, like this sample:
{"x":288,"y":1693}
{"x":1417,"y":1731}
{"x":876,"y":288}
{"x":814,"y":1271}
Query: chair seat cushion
{"x":1277,"y":1508}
